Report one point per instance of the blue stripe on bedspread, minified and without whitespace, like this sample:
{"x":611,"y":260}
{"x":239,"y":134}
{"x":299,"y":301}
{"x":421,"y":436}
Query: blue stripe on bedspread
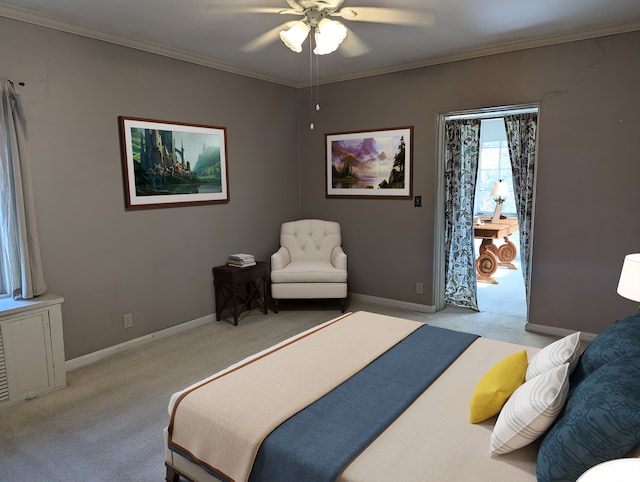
{"x":317,"y":443}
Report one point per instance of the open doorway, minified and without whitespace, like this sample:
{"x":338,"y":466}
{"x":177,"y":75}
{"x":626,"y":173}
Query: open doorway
{"x":460,"y":180}
{"x":500,"y":284}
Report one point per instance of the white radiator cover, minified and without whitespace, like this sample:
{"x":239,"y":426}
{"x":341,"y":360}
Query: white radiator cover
{"x":31,"y":348}
{"x":4,"y":384}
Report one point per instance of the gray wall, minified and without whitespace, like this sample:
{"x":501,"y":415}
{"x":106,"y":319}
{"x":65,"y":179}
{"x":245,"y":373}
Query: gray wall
{"x":106,"y":261}
{"x":588,"y":172}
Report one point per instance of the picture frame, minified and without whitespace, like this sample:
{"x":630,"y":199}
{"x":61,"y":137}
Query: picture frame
{"x":168,"y":164}
{"x":370,"y":164}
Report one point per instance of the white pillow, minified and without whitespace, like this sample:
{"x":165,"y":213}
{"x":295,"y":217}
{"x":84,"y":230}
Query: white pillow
{"x":565,"y":350}
{"x":531,"y":410}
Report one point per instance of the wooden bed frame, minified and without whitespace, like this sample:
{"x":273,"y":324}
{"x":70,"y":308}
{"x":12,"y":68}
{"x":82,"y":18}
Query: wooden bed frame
{"x":173,"y":474}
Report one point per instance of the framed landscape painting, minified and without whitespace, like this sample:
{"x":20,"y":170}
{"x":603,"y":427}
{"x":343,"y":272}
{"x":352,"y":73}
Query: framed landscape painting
{"x":370,"y":164}
{"x":171,"y":164}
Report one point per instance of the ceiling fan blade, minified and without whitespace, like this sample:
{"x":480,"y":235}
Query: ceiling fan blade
{"x":394,"y":16}
{"x":266,"y":38}
{"x":295,"y":6}
{"x":276,"y":10}
{"x":289,"y":11}
{"x":353,"y":46}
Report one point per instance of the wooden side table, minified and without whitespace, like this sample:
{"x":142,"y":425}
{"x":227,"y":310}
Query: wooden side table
{"x":237,"y":288}
{"x":492,"y":256}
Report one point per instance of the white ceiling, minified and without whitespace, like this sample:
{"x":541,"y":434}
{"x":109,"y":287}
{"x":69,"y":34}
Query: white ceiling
{"x":213,"y":32}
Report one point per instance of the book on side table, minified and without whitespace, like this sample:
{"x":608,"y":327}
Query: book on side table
{"x":241,"y":260}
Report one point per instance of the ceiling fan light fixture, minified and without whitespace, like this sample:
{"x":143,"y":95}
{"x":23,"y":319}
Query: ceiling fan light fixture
{"x":294,"y":37}
{"x":329,"y":34}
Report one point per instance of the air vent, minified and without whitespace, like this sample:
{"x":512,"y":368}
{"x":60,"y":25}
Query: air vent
{"x":4,"y":385}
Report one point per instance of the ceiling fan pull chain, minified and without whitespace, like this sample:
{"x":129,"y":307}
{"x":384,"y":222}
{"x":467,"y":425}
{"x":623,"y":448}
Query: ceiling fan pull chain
{"x":311,"y":126}
{"x":317,"y":82}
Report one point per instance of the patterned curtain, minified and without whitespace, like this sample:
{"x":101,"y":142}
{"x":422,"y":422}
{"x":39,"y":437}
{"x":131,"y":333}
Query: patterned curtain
{"x":461,"y":169}
{"x":521,"y":136}
{"x":20,"y":252}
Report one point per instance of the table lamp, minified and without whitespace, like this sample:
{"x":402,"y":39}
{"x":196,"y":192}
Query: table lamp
{"x":500,"y":192}
{"x":619,"y":470}
{"x":629,"y":284}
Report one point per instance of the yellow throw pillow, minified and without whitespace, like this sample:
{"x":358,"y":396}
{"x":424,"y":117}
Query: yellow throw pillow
{"x":497,"y":385}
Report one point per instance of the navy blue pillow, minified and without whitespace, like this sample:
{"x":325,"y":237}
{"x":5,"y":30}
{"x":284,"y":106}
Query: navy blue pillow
{"x":601,"y":421}
{"x":618,"y":340}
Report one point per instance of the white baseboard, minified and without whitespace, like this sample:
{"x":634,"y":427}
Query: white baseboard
{"x":555,"y":331}
{"x":158,"y":335}
{"x":394,"y":303}
{"x":173,"y":330}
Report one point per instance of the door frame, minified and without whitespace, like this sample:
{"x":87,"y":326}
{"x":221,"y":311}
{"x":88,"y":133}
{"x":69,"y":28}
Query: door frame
{"x":439,"y":255}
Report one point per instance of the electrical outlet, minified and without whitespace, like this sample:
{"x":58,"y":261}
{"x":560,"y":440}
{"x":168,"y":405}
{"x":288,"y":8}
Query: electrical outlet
{"x":419,"y":288}
{"x":128,"y":320}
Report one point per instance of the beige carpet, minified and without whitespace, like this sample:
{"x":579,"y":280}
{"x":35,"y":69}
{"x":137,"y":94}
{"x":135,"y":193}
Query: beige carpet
{"x":107,"y":424}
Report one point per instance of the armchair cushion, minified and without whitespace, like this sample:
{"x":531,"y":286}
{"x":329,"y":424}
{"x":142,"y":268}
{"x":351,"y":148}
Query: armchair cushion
{"x":309,"y":272}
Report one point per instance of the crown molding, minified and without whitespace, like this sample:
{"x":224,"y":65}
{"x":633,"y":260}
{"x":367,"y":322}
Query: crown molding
{"x":29,"y":16}
{"x":487,"y":51}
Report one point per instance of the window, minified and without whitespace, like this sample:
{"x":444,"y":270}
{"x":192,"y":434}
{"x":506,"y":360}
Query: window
{"x":493,"y":164}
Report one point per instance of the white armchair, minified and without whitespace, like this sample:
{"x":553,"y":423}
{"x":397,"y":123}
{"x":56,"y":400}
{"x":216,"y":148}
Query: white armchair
{"x":310,"y":263}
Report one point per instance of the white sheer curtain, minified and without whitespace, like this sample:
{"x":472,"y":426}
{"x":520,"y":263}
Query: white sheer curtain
{"x":20,"y":262}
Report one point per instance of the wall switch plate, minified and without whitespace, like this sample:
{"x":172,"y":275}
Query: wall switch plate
{"x":417,"y":201}
{"x":128,"y":320}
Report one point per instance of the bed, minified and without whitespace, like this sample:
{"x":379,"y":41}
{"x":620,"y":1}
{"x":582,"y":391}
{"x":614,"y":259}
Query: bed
{"x":369,"y":397}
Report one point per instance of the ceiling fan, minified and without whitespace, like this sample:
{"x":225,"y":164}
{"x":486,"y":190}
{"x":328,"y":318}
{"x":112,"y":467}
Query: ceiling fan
{"x":329,"y":34}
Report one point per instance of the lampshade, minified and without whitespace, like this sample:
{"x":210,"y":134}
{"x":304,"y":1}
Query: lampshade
{"x":629,"y":284}
{"x":329,"y":35}
{"x":499,"y":189}
{"x":619,"y":470}
{"x":294,"y":37}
